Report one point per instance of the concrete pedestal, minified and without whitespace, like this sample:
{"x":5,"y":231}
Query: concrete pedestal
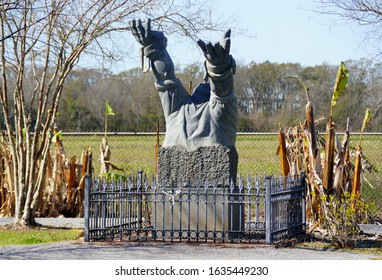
{"x":205,"y":163}
{"x":192,"y":211}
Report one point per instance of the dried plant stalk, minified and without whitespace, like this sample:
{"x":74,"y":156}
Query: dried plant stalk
{"x":356,"y":187}
{"x":327,"y":180}
{"x":283,"y":154}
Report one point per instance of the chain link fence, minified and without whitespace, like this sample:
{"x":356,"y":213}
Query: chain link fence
{"x":131,"y":152}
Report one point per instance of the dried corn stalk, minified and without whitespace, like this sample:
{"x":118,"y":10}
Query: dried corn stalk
{"x":283,"y":153}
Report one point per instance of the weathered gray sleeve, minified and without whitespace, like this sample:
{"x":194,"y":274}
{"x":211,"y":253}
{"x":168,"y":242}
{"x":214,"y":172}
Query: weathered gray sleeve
{"x":224,"y":115}
{"x":171,"y":91}
{"x":221,"y":76}
{"x":172,"y":95}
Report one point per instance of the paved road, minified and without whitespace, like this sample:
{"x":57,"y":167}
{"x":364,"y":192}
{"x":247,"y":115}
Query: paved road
{"x":159,"y":251}
{"x":173,"y":251}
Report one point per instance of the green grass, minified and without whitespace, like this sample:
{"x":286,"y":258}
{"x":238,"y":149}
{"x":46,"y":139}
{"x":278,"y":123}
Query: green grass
{"x":328,"y":246}
{"x":257,"y":152}
{"x":36,"y":236}
{"x":131,"y":153}
{"x":257,"y":155}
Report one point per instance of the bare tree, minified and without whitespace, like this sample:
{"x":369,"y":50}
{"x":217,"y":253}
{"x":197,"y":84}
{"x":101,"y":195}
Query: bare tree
{"x":363,"y":12}
{"x":44,"y":39}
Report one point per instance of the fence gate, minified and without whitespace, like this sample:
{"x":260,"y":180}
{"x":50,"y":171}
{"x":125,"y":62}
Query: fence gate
{"x":250,"y":211}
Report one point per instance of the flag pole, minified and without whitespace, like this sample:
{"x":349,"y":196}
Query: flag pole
{"x":106,"y":119}
{"x":108,"y":111}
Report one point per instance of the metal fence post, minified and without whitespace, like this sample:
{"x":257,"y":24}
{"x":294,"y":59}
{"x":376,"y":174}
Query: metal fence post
{"x":303,"y":183}
{"x":139,"y":204}
{"x":268,"y":210}
{"x":88,"y":182}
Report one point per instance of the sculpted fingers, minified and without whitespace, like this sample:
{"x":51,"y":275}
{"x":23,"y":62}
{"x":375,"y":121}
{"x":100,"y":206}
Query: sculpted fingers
{"x":148,"y":25}
{"x":210,"y":49}
{"x":148,"y":32}
{"x":218,"y":49}
{"x":137,"y":29}
{"x":141,"y":32}
{"x":227,"y":34}
{"x":227,"y":41}
{"x":133,"y":27}
{"x":202,"y":45}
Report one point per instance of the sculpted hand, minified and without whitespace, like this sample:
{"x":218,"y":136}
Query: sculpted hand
{"x":220,"y":66}
{"x":154,"y":48}
{"x":143,"y":34}
{"x":217,"y":55}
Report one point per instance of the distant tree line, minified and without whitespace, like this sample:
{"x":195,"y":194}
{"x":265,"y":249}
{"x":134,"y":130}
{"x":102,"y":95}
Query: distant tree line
{"x":266,"y":94}
{"x":268,"y":97}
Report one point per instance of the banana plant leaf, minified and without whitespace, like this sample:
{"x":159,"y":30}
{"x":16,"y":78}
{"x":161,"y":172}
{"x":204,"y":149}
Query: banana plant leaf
{"x":340,"y":84}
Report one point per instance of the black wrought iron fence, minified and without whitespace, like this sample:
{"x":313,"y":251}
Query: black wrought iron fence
{"x":257,"y":155}
{"x":254,"y":210}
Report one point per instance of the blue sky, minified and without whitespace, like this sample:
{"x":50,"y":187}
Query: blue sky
{"x":280,"y":31}
{"x":284,"y":31}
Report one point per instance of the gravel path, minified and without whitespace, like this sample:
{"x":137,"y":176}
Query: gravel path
{"x":160,"y":250}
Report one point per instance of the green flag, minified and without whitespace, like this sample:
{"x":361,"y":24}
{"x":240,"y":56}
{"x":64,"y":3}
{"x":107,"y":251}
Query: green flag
{"x":58,"y":135}
{"x":109,"y":111}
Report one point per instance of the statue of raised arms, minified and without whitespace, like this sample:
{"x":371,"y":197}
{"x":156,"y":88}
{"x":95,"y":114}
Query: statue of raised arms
{"x":209,"y":116}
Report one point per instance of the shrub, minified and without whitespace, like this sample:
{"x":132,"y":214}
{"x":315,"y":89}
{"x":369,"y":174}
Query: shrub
{"x":340,"y":218}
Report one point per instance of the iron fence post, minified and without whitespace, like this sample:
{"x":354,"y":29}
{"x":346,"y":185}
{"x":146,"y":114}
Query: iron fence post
{"x":88,"y":182}
{"x":139,"y":210}
{"x":303,"y":183}
{"x":268,"y":210}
